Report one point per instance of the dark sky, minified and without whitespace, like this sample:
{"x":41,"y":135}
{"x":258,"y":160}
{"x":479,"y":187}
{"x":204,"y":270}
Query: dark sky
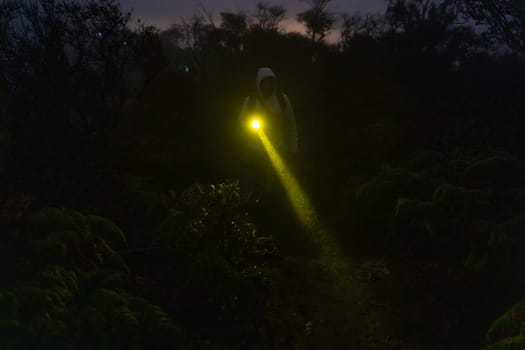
{"x":164,"y":12}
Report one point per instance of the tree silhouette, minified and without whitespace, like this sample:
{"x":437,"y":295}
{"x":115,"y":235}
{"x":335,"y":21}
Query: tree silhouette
{"x":64,"y":66}
{"x":148,"y":50}
{"x":46,"y":38}
{"x":234,"y":27}
{"x":355,"y":25}
{"x":505,"y":20}
{"x":427,"y":24}
{"x":198,"y":37}
{"x":268,"y":17}
{"x":317,"y":19}
{"x":415,"y":15}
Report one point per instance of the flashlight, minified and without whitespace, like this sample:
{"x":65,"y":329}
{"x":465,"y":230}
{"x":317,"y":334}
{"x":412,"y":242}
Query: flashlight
{"x":255,"y":123}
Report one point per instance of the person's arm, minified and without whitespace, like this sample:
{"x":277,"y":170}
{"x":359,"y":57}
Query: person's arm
{"x":291,"y":126}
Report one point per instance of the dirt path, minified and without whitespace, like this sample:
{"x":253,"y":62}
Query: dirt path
{"x":380,"y":303}
{"x":376,"y":304}
{"x":403,"y":304}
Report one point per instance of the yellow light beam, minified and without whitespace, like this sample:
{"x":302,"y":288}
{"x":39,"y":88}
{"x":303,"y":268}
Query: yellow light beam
{"x":301,"y":204}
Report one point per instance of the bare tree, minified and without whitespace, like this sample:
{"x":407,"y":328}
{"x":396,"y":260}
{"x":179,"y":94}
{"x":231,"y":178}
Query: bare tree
{"x":173,"y":36}
{"x":427,"y":24}
{"x":269,"y":16}
{"x":234,"y":27}
{"x":199,"y":37}
{"x":77,"y":48}
{"x":193,"y":32}
{"x":414,"y":15}
{"x":9,"y":10}
{"x":317,"y":19}
{"x":357,"y":25}
{"x":148,"y":50}
{"x":207,"y":13}
{"x":504,"y":19}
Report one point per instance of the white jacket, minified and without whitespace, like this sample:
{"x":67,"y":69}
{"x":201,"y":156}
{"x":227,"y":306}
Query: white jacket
{"x":283,"y":135}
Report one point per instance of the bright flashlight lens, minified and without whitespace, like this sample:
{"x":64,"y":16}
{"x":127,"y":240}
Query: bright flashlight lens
{"x":256,"y":124}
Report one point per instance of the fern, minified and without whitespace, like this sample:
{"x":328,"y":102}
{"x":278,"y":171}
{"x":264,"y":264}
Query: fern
{"x":407,"y":209}
{"x":124,"y":328}
{"x":14,"y":335}
{"x":447,"y":193}
{"x":500,"y":168}
{"x":48,"y":220}
{"x":68,"y":237}
{"x":106,"y":299}
{"x":159,"y":330}
{"x":74,"y":292}
{"x":9,"y":305}
{"x":38,"y":303}
{"x":47,"y":252}
{"x":507,"y":325}
{"x":60,"y":277}
{"x":90,"y":328}
{"x":511,"y":343}
{"x":107,"y":230}
{"x":111,"y":279}
{"x":514,"y":229}
{"x":210,"y":271}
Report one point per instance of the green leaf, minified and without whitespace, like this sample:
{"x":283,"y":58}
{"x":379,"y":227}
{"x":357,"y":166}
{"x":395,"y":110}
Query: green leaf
{"x":508,"y":324}
{"x":106,"y":299}
{"x":90,"y":328}
{"x":407,"y":209}
{"x":476,"y":261}
{"x":9,"y":305}
{"x":48,"y":220}
{"x":124,"y":326}
{"x":106,"y":230}
{"x":511,"y":343}
{"x":58,"y":276}
{"x":64,"y":236}
{"x":45,"y":251}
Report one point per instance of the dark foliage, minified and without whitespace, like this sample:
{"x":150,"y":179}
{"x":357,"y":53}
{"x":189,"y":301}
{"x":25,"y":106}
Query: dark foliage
{"x":64,"y":286}
{"x":410,"y":139}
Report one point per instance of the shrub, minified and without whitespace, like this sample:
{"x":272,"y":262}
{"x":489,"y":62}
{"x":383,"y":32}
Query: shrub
{"x":459,"y":201}
{"x":221,"y":260}
{"x":512,"y":343}
{"x":62,"y":302}
{"x":214,"y":219}
{"x":503,"y":249}
{"x":376,"y":200}
{"x":68,"y":236}
{"x":106,"y":230}
{"x":425,"y":159}
{"x":498,"y":170}
{"x":407,"y":209}
{"x":48,"y":220}
{"x":509,"y":325}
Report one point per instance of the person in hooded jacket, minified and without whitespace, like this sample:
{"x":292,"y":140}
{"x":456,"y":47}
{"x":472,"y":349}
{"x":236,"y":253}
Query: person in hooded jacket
{"x":276,"y":110}
{"x":278,"y":124}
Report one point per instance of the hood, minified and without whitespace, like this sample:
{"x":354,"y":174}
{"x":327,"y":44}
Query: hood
{"x":263,"y":73}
